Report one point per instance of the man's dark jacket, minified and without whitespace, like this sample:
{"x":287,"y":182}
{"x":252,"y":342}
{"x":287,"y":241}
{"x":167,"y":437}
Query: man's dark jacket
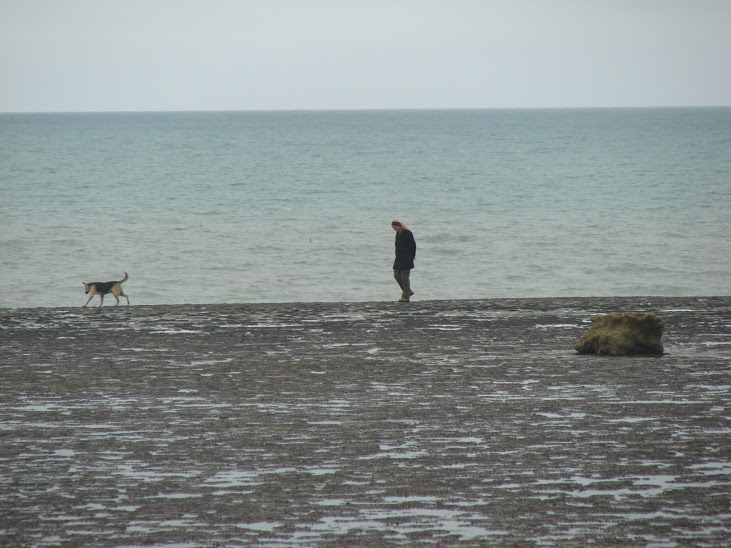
{"x":405,"y":250}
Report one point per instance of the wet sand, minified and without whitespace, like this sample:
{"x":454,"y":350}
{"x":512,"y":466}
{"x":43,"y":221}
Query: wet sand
{"x":427,"y":423}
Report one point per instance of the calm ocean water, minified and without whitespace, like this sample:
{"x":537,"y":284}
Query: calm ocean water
{"x":296,"y":206}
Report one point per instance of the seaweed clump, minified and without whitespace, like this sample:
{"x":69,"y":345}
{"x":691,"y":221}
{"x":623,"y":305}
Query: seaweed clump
{"x":623,"y":334}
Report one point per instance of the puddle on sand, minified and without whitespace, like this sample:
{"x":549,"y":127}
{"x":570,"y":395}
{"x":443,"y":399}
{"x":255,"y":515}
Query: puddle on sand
{"x":410,"y":520}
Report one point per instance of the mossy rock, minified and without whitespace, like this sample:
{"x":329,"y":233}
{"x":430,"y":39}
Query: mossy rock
{"x":623,"y":334}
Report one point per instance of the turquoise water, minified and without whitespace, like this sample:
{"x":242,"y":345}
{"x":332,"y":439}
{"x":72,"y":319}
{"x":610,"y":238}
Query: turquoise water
{"x":296,"y":206}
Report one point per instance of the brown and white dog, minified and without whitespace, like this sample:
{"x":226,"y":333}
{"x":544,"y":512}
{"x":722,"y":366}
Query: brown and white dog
{"x":103,"y":288}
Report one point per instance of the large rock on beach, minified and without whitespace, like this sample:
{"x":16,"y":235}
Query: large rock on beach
{"x":623,"y":334}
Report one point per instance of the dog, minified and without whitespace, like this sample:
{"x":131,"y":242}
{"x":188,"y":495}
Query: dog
{"x":104,"y":288}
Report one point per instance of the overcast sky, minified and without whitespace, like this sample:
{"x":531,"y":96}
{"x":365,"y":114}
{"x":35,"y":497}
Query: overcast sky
{"x":122,"y":55}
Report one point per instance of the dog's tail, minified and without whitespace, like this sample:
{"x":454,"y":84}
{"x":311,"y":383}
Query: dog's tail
{"x":124,"y":279}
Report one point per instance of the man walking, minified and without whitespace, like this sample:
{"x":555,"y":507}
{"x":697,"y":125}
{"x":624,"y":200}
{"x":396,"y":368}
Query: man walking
{"x":405,"y":255}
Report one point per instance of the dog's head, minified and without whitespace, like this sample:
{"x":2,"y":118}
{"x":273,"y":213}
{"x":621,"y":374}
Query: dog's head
{"x":87,"y":287}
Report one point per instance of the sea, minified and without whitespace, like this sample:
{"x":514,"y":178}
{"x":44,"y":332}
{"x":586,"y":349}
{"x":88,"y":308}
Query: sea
{"x":296,"y":206}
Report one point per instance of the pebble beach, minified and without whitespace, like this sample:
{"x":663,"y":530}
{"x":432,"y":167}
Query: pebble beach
{"x":468,"y":422}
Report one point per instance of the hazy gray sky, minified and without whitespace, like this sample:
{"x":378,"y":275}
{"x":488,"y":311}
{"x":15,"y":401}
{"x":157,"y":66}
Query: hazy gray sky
{"x":102,"y":55}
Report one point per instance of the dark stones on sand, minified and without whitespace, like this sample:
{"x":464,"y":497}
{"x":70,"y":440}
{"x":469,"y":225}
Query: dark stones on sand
{"x":438,"y":423}
{"x":623,"y":334}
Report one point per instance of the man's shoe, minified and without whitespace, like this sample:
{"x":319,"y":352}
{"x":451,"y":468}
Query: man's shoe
{"x":403,"y":300}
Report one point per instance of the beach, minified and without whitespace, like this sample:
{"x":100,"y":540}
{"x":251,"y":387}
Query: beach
{"x":465,"y":422}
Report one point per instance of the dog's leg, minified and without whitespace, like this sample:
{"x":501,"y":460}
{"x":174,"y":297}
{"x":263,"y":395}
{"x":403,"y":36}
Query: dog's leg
{"x":119,"y":292}
{"x":92,"y":292}
{"x":101,"y":299}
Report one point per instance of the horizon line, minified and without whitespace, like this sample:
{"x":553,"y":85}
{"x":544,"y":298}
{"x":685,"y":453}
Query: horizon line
{"x":382,"y":109}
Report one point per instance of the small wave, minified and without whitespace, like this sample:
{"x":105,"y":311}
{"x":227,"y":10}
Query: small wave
{"x":445,"y":238}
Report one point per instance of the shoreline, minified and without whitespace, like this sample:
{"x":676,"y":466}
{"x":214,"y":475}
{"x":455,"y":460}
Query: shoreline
{"x":362,"y":423}
{"x":372,"y":302}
